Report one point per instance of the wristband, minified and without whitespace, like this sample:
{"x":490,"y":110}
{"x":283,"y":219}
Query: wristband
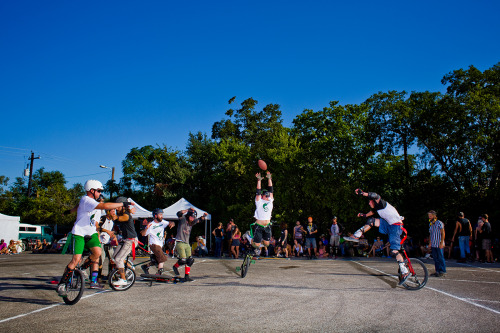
{"x":258,"y":191}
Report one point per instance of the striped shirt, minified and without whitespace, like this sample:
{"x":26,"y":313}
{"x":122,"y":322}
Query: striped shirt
{"x":435,"y":232}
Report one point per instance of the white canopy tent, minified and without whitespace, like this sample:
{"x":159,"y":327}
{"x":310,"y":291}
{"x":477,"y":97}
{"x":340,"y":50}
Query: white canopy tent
{"x":9,"y":227}
{"x":170,"y":213}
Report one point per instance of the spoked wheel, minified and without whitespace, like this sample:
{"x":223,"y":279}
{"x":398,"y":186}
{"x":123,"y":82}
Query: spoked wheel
{"x":115,"y":276}
{"x":418,"y":278}
{"x":245,"y":265}
{"x":74,"y":288}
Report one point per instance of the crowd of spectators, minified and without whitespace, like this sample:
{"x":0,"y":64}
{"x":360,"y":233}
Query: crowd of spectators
{"x":304,"y":241}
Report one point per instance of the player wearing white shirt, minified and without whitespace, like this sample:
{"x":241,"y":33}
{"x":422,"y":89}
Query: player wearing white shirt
{"x":263,"y":210}
{"x":389,"y":223}
{"x":85,"y":232}
{"x":156,"y":238}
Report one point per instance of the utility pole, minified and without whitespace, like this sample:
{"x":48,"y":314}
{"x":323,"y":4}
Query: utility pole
{"x":31,"y":171}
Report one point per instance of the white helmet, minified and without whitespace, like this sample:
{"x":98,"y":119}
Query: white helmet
{"x":93,"y":184}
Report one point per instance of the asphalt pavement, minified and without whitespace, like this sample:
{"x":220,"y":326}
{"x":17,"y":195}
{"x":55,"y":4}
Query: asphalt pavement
{"x":278,"y":295}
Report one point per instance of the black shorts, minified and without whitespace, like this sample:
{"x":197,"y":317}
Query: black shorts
{"x":261,"y":233}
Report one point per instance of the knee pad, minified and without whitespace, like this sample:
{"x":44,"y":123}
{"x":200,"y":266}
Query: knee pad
{"x":394,"y":253}
{"x":370,"y":221}
{"x":190,"y":261}
{"x":181,"y":261}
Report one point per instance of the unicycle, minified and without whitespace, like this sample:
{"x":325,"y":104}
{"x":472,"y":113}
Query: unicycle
{"x":74,"y":287}
{"x":418,"y":272}
{"x":246,"y":264}
{"x":114,"y":276}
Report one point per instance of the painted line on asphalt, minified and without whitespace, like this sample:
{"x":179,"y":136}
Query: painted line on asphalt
{"x":48,"y":307}
{"x":436,"y":290}
{"x":485,"y":269}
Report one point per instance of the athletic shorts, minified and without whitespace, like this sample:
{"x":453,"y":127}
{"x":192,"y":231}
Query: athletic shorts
{"x":183,"y":250}
{"x":335,"y":240}
{"x":261,"y":233}
{"x":393,"y":231}
{"x":309,"y":242}
{"x":159,"y":254}
{"x":81,"y":243}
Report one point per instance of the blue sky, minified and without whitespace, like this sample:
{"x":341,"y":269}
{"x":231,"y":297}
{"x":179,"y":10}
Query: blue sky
{"x":83,"y":82}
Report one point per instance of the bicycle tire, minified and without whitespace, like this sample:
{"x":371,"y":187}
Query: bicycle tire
{"x":74,"y":288}
{"x":114,"y":275}
{"x":419,"y":279}
{"x":245,"y":265}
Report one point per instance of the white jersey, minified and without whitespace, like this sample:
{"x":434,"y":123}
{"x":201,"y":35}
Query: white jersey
{"x":264,"y":208}
{"x":390,"y":214}
{"x":104,"y":237}
{"x":155,"y":232}
{"x":87,"y":217}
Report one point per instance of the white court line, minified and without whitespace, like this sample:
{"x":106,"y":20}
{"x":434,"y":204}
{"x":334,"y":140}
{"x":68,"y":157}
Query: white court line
{"x":486,"y":269}
{"x":48,"y":307}
{"x":437,"y":290}
{"x":482,"y":300}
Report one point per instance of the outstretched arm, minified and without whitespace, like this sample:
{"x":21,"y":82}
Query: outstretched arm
{"x":270,"y":183}
{"x":259,"y":186}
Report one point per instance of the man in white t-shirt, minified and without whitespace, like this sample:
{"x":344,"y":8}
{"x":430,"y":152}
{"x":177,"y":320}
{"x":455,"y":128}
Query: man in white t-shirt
{"x":85,"y":233}
{"x":263,"y":210}
{"x":389,"y":222}
{"x":156,"y":238}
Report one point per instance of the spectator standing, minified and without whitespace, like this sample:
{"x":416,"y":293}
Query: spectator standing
{"x":283,"y":241}
{"x":335,"y":232}
{"x":229,"y":235}
{"x":298,"y":233}
{"x":311,"y":231}
{"x":486,"y":236}
{"x":219,"y":235}
{"x":235,"y":244}
{"x":478,"y":239}
{"x":436,"y":242}
{"x":463,"y":229}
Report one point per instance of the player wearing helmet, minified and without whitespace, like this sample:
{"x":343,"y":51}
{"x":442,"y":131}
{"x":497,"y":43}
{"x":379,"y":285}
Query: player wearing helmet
{"x":389,"y":222}
{"x":264,"y":207}
{"x":187,"y":219}
{"x":85,"y":232}
{"x":156,"y":239}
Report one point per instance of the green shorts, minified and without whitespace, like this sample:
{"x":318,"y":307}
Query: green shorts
{"x":81,"y":243}
{"x":183,"y":250}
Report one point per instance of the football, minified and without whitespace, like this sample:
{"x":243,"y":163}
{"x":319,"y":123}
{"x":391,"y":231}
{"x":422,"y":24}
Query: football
{"x":262,"y":165}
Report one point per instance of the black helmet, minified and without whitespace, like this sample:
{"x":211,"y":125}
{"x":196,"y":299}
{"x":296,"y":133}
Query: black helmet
{"x":157,"y":211}
{"x":121,"y":199}
{"x":191,"y":212}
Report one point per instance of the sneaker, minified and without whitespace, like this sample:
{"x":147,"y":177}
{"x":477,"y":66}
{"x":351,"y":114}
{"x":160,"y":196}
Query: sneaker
{"x":427,"y":256}
{"x":61,"y":290}
{"x":97,"y":285}
{"x":351,"y":239}
{"x":176,"y":271}
{"x":256,"y":252}
{"x":119,"y":283}
{"x":160,"y":271}
{"x":145,"y":268}
{"x":403,"y":278}
{"x":188,"y":279}
{"x":85,"y":276}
